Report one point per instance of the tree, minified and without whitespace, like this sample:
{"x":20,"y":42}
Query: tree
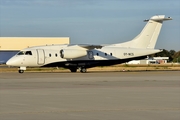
{"x":165,"y":53}
{"x":172,"y":52}
{"x":176,"y":57}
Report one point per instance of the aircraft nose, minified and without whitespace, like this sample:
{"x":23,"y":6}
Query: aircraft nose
{"x":15,"y":61}
{"x":9,"y":62}
{"x":12,"y":62}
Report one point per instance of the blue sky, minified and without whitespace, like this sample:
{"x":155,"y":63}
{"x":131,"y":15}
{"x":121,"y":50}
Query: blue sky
{"x":89,"y":21}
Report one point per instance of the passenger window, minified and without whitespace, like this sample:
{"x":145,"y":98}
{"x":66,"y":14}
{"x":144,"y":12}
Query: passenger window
{"x":49,"y":55}
{"x":105,"y":54}
{"x":111,"y":54}
{"x":56,"y":55}
{"x":97,"y":54}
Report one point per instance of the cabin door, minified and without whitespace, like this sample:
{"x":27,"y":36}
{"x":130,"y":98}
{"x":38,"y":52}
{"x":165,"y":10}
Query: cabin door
{"x":90,"y":55}
{"x":40,"y":57}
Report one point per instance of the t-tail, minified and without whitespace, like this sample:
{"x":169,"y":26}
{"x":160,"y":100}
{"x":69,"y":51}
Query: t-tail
{"x":148,"y":37}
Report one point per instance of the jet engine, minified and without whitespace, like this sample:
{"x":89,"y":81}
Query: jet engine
{"x":72,"y":53}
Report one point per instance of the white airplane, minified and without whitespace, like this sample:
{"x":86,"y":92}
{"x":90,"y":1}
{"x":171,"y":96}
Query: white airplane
{"x":83,"y":56}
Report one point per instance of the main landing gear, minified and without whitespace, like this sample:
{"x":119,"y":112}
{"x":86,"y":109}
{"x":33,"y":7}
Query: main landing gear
{"x":73,"y":69}
{"x":82,"y":69}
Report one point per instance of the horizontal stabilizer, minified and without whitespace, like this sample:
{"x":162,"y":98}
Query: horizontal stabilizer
{"x":158,"y":18}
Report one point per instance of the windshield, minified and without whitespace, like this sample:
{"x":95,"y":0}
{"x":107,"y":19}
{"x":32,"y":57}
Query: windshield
{"x":24,"y":53}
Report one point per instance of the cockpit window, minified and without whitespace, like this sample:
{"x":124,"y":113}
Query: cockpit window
{"x":25,"y":53}
{"x":21,"y":53}
{"x":28,"y":53}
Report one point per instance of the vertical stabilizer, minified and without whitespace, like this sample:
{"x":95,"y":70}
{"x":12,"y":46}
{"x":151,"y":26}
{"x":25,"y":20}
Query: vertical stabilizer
{"x":148,"y":36}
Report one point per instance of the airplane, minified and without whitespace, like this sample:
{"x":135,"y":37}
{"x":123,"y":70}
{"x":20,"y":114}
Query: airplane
{"x":83,"y":56}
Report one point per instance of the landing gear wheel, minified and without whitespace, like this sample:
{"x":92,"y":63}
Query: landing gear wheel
{"x":21,"y":71}
{"x":83,"y":70}
{"x":73,"y":69}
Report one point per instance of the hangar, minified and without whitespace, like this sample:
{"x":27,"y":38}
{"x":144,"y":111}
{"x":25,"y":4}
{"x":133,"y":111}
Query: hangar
{"x":9,"y":46}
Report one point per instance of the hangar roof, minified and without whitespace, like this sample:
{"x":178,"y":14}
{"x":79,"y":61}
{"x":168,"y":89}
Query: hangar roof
{"x":18,"y":43}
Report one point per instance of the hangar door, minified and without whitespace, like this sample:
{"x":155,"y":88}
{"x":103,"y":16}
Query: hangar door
{"x":40,"y":56}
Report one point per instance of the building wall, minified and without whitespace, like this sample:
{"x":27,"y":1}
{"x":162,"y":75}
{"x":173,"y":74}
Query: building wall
{"x":18,"y":43}
{"x":9,"y":46}
{"x":5,"y":55}
{"x":154,"y":60}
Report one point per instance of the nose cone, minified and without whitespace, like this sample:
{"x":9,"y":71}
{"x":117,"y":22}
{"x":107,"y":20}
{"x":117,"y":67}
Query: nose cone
{"x":13,"y":62}
{"x":9,"y":62}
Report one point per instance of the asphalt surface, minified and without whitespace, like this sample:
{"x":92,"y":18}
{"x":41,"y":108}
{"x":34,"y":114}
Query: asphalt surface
{"x":147,"y":95}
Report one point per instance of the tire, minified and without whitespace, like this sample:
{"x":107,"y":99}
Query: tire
{"x":21,"y":71}
{"x":83,"y":70}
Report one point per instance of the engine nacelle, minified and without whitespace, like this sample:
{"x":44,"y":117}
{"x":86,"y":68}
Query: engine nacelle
{"x":72,"y":53}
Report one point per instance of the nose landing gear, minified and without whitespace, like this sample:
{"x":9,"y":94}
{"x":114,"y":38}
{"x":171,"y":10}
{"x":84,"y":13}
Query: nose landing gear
{"x":21,"y":69}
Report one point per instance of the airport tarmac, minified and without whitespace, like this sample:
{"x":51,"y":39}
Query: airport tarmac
{"x":149,"y":95}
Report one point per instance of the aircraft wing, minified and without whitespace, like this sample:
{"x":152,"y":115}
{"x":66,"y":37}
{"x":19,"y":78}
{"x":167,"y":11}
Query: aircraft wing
{"x":88,"y":46}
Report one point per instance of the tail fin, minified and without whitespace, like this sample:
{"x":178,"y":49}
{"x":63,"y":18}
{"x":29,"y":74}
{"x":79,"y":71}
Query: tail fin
{"x":148,"y":36}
